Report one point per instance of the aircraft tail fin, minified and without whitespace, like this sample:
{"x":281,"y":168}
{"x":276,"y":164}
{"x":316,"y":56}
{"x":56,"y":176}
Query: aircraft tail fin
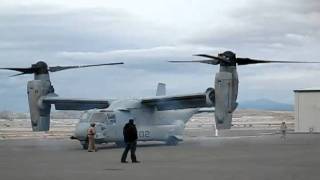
{"x":161,"y":89}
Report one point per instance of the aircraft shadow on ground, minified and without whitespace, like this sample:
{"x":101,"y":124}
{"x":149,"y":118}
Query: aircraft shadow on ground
{"x":113,"y":146}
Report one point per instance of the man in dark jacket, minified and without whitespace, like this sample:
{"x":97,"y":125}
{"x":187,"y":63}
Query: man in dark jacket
{"x":130,"y":136}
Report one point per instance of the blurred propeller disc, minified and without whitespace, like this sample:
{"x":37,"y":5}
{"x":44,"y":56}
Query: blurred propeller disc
{"x":42,"y":68}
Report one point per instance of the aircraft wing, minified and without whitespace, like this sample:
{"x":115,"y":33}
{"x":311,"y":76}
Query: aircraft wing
{"x":179,"y":102}
{"x":76,"y":104}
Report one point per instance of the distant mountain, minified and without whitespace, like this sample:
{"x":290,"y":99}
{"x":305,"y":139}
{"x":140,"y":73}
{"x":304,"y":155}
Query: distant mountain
{"x":265,"y":104}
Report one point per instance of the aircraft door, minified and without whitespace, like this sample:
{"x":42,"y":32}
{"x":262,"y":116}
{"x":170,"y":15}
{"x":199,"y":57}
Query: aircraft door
{"x":122,"y":117}
{"x":110,"y":126}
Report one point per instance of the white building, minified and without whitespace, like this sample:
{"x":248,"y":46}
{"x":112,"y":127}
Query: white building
{"x":307,"y":110}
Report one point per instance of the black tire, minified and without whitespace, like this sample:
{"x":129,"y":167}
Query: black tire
{"x":172,"y":141}
{"x":84,"y":145}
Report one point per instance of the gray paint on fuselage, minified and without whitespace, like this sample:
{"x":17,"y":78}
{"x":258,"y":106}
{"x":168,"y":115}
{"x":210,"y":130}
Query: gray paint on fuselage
{"x":151,"y":123}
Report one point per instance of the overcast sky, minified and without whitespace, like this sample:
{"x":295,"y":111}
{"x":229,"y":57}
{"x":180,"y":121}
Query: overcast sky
{"x":145,"y":34}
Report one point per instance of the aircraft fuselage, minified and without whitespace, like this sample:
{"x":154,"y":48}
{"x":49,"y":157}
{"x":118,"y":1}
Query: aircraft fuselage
{"x":152,"y":125}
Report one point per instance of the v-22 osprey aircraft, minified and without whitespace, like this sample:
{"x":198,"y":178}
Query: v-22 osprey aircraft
{"x":158,"y":118}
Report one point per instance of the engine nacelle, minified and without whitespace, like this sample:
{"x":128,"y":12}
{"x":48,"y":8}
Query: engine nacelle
{"x":225,"y":99}
{"x":39,"y":112}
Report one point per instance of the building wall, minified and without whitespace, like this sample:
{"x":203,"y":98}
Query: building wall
{"x":307,"y":111}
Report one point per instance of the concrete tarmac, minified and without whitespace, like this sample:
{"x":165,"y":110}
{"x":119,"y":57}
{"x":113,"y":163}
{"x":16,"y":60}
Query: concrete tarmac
{"x":238,"y":158}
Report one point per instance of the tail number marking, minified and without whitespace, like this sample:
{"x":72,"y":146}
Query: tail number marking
{"x":144,"y":134}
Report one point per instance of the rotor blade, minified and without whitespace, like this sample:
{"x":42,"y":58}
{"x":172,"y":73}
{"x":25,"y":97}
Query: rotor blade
{"x":207,"y":56}
{"x":19,"y":74}
{"x":246,"y":61}
{"x":212,"y":61}
{"x":60,"y":68}
{"x":22,"y":70}
{"x":213,"y":57}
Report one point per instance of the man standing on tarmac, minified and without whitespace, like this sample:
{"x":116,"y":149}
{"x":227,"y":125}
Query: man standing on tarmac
{"x":283,"y":129}
{"x":91,"y":138}
{"x":130,"y":136}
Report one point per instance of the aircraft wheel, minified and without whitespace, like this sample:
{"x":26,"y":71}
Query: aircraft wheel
{"x":85,"y":145}
{"x":172,"y":141}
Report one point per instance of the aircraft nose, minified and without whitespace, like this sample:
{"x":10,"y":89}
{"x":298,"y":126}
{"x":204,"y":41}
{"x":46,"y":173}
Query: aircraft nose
{"x":81,"y":131}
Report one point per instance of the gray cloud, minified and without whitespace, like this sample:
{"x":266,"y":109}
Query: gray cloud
{"x":267,"y":28}
{"x":92,"y":29}
{"x":84,"y":35}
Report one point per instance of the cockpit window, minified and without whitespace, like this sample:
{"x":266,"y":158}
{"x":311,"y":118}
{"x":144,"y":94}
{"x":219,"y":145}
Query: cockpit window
{"x":84,"y":117}
{"x":98,"y":117}
{"x":111,"y":118}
